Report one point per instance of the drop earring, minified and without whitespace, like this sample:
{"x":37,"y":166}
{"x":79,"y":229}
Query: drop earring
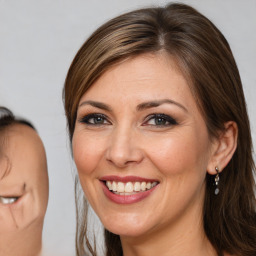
{"x":217,"y":179}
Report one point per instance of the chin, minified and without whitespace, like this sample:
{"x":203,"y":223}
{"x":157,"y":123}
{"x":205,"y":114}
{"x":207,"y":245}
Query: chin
{"x":125,"y":231}
{"x":127,"y":226}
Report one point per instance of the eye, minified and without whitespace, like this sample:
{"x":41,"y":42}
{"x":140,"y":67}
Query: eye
{"x":160,"y":120}
{"x":94,"y":119}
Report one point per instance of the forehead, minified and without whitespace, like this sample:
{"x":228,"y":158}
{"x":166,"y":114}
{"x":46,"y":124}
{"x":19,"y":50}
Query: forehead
{"x":148,"y":77}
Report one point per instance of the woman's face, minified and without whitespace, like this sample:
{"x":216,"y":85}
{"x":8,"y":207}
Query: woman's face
{"x":141,"y":147}
{"x":24,"y":189}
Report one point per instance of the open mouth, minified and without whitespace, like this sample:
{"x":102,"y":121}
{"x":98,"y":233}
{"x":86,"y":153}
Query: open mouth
{"x":8,"y":200}
{"x":129,"y":188}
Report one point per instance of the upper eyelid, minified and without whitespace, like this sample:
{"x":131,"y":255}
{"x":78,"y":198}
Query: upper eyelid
{"x":163,"y":115}
{"x":168,"y":117}
{"x":92,"y":115}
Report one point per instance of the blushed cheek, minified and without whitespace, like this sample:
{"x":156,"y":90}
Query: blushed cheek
{"x":86,"y":156}
{"x":176,"y":156}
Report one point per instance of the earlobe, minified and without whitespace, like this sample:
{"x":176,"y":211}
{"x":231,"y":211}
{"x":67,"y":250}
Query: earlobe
{"x":224,"y":148}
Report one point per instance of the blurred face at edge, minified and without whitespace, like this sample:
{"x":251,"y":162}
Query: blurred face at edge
{"x":24,"y":188}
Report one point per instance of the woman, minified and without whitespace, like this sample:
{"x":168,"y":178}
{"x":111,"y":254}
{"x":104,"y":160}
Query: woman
{"x":161,"y":138}
{"x":23,"y":187}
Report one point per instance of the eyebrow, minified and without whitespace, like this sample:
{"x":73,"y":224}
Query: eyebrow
{"x":140,"y":107}
{"x":96,"y":104}
{"x":156,"y":103}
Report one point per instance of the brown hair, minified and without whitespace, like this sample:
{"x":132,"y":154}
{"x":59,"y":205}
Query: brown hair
{"x":206,"y":60}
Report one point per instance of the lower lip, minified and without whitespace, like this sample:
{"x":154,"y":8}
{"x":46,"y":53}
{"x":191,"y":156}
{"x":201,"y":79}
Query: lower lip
{"x":124,"y":199}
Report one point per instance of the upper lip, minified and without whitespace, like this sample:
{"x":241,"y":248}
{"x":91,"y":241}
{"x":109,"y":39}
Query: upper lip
{"x":126,"y":179}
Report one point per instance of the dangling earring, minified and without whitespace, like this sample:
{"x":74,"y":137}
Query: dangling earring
{"x":217,"y":179}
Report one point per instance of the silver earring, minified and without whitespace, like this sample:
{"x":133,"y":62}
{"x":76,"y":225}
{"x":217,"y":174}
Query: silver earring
{"x":217,"y":179}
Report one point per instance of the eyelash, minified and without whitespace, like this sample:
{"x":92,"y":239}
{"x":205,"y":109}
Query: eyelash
{"x":86,"y":119}
{"x":164,"y":117}
{"x":168,"y":120}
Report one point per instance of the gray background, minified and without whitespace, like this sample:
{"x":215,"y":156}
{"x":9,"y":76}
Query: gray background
{"x":38,"y":40}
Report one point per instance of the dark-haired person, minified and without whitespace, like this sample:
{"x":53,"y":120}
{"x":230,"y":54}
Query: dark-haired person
{"x":23,"y":187}
{"x":161,"y":138}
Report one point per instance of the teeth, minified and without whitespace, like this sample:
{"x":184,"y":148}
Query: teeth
{"x":143,"y":186}
{"x":136,"y":187}
{"x":154,"y":184}
{"x":8,"y":200}
{"x":114,"y":186}
{"x":129,"y":187}
{"x":120,"y":187}
{"x":109,"y":185}
{"x":148,"y":186}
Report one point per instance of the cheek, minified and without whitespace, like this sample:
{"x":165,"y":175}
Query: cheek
{"x":178,"y":153}
{"x":87,"y":152}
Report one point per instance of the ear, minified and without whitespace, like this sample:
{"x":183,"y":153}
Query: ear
{"x":223,"y":148}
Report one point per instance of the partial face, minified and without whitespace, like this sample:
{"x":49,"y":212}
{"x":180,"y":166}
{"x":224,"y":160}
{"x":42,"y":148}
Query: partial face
{"x":24,"y":190}
{"x":141,"y":147}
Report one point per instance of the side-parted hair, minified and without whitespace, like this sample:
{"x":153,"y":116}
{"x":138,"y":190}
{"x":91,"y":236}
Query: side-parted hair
{"x":206,"y":61}
{"x":7,"y":119}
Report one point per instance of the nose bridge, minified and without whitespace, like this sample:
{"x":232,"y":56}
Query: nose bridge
{"x":123,"y":147}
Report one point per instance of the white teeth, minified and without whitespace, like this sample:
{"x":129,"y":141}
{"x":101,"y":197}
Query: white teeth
{"x":8,"y":200}
{"x":136,"y":187}
{"x":114,"y":186}
{"x":129,"y":187}
{"x":109,"y":185}
{"x":143,"y":186}
{"x":120,"y":187}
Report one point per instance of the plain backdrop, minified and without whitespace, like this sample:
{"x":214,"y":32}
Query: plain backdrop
{"x":38,"y":40}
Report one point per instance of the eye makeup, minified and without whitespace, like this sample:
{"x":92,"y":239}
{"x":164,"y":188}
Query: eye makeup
{"x":160,"y":120}
{"x":94,"y":119}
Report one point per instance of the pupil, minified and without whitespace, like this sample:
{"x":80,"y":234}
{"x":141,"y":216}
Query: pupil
{"x":98,"y":120}
{"x":160,"y":121}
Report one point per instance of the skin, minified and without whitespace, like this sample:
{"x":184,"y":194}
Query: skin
{"x":128,"y":142}
{"x":22,"y":221}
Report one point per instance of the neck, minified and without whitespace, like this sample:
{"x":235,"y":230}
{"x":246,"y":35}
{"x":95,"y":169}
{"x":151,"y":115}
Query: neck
{"x":183,"y":236}
{"x":26,"y":242}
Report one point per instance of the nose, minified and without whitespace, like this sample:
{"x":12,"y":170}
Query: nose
{"x":124,"y":149}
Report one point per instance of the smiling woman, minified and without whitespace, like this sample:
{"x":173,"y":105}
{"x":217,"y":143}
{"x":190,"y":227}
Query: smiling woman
{"x":161,"y":138}
{"x":23,"y":187}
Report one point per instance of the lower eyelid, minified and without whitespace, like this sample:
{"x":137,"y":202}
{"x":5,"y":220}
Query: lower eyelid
{"x":85,"y":119}
{"x":170,"y":120}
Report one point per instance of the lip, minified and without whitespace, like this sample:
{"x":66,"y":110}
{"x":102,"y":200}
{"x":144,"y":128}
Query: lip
{"x":126,"y":199}
{"x":14,"y":204}
{"x":16,"y":192}
{"x":3,"y":199}
{"x":126,"y":179}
